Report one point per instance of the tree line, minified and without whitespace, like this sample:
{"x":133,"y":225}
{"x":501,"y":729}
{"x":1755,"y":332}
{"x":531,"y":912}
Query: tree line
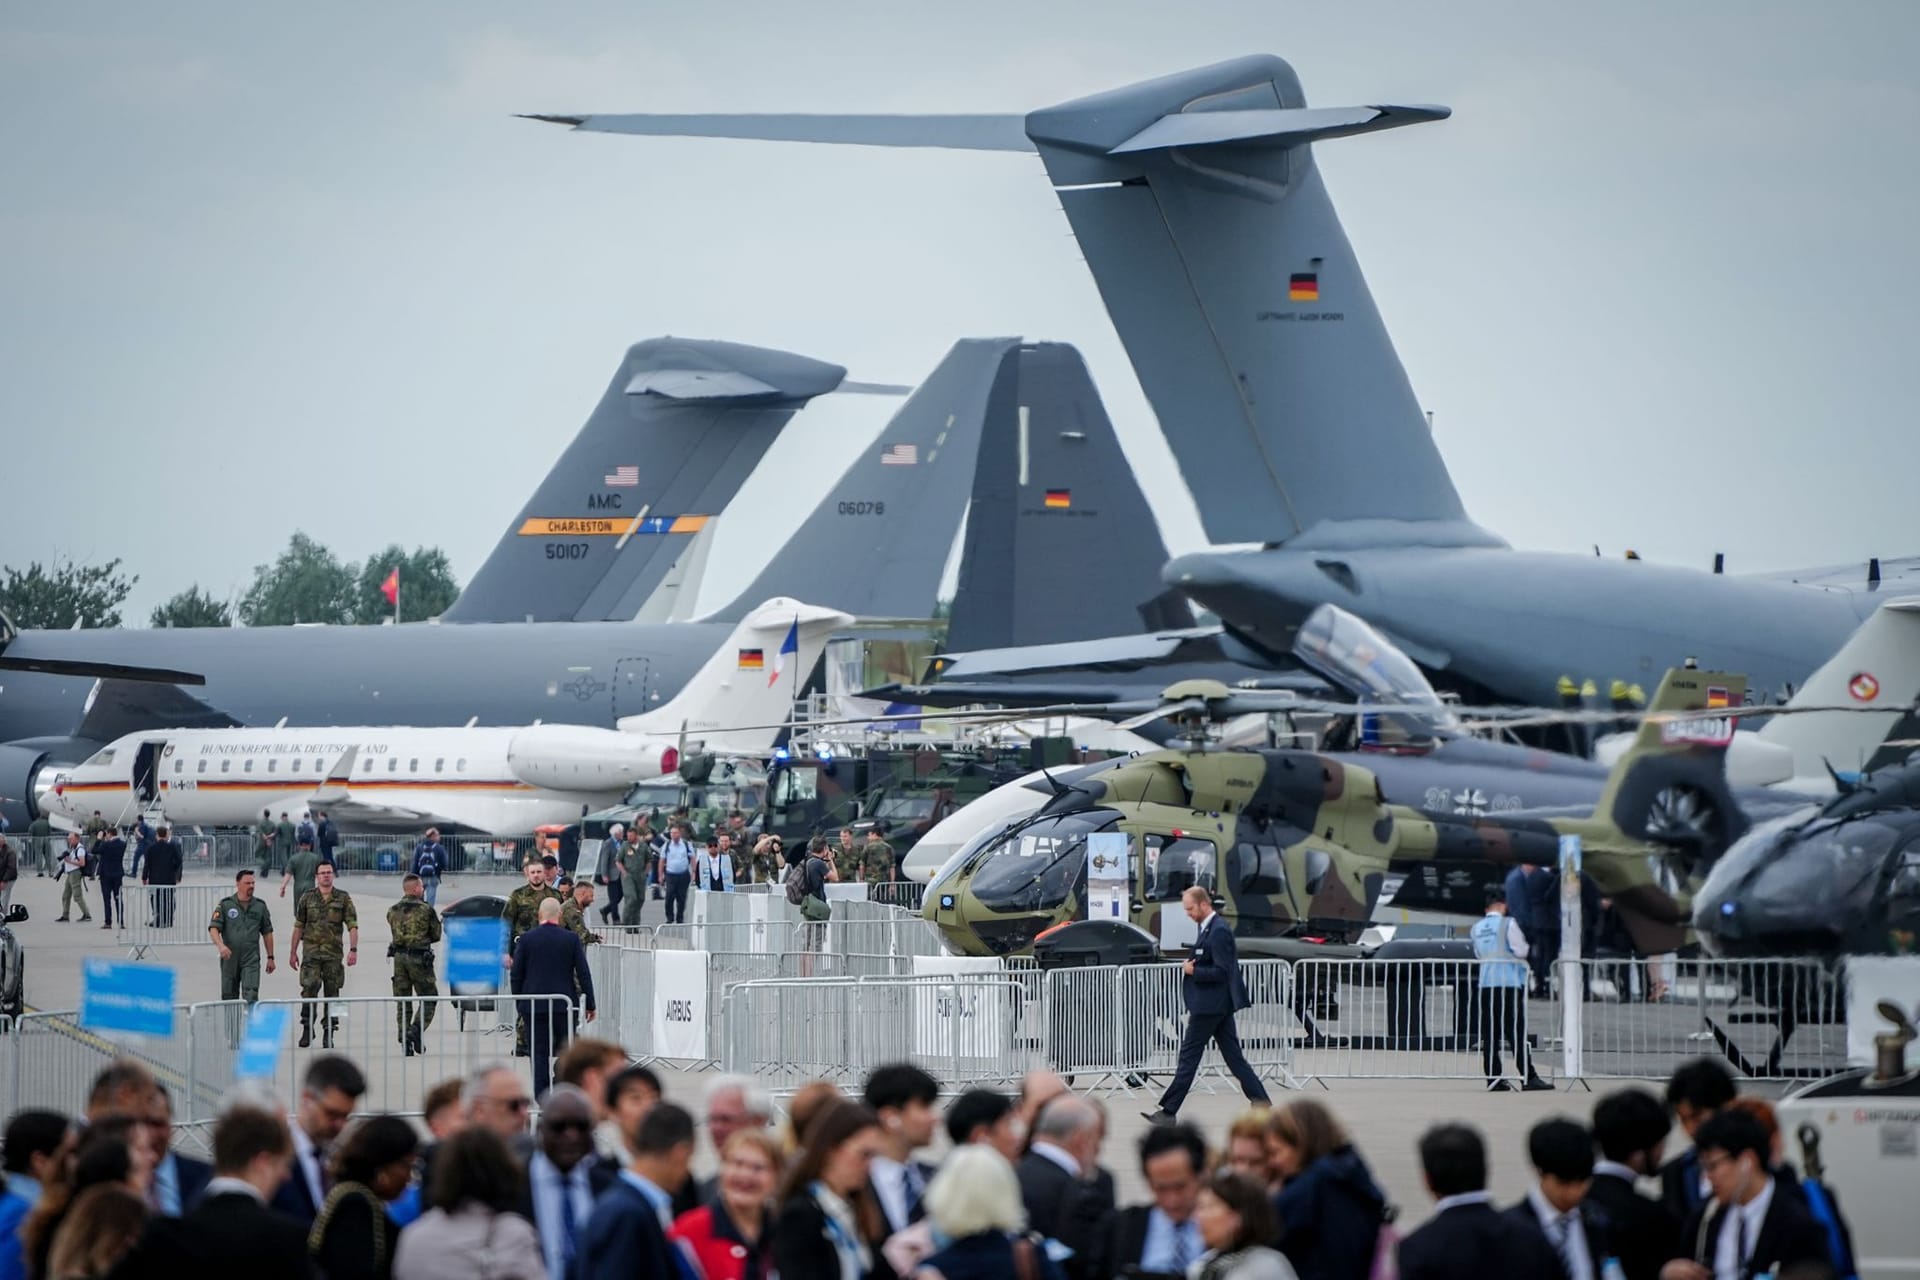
{"x":305,"y":583}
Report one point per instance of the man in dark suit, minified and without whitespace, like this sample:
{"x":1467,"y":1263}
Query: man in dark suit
{"x":903,"y":1097}
{"x":627,"y":1234}
{"x":564,"y":1178}
{"x":1562,"y":1154}
{"x":1630,"y":1128}
{"x":178,"y":1180}
{"x":232,"y":1231}
{"x":549,"y":960}
{"x":1467,"y":1238}
{"x":329,"y":1092}
{"x":1751,"y":1226}
{"x":1057,"y":1187}
{"x":1161,"y":1238}
{"x":1696,"y":1091}
{"x":1213,"y":992}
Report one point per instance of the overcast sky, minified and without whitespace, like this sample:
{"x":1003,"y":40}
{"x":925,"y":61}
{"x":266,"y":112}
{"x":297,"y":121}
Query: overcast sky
{"x":267,"y":268}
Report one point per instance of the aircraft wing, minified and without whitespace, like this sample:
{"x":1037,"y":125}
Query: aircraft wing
{"x":1902,"y":572}
{"x":120,"y":707}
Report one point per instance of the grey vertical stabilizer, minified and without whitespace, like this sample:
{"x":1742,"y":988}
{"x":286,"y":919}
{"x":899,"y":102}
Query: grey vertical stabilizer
{"x":1200,"y":210}
{"x":878,"y":542}
{"x":1061,"y":544}
{"x":681,"y":426}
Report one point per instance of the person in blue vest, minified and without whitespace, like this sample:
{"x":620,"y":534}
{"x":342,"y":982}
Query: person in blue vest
{"x":1501,"y":949}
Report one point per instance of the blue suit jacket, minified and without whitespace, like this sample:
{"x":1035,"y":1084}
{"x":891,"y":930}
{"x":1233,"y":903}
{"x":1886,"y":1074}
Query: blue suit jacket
{"x":548,"y":960}
{"x":623,"y":1238}
{"x":1215,"y":985}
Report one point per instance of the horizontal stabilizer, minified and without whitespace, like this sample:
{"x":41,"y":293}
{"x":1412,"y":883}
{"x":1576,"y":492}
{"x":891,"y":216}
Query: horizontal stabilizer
{"x":961,"y":133}
{"x":1282,"y":126}
{"x":120,"y":707}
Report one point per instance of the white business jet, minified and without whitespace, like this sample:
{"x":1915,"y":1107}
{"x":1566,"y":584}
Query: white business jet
{"x":504,"y":780}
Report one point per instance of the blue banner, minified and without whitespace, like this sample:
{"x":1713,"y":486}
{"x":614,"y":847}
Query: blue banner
{"x":260,"y":1049}
{"x":476,"y":952}
{"x":116,"y":995}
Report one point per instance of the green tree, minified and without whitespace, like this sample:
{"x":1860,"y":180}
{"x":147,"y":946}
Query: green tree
{"x":55,"y":598}
{"x":306,"y":584}
{"x":427,"y":586}
{"x":193,"y":608}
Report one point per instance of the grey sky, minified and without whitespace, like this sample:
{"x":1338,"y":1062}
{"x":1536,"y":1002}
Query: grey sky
{"x":266,"y":268}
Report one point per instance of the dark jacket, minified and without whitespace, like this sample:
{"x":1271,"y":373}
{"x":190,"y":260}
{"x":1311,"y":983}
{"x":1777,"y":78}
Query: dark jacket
{"x":1644,"y":1235}
{"x":600,"y":1176}
{"x":358,"y":1239}
{"x":1680,"y":1185}
{"x":989,"y":1255}
{"x":294,"y":1199}
{"x":230,"y":1234}
{"x":109,"y":860}
{"x":623,"y":1238}
{"x":1215,"y":985}
{"x":194,"y":1175}
{"x":1593,"y":1225}
{"x":802,"y":1250}
{"x":1789,"y":1234}
{"x":548,"y":960}
{"x":1472,"y":1242}
{"x":164,"y":862}
{"x":328,"y":838}
{"x":1329,"y":1216}
{"x":1064,"y":1208}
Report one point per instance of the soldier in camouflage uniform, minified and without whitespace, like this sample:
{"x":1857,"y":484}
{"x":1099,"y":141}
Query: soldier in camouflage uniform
{"x":523,"y":913}
{"x":876,"y":858}
{"x":415,"y":927}
{"x":769,"y":861}
{"x":846,"y":857}
{"x":324,"y":920}
{"x":573,"y":913}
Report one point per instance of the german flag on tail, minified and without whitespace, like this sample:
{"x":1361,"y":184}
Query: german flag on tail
{"x":753,"y":660}
{"x":1303,"y":286}
{"x":1059,"y":499}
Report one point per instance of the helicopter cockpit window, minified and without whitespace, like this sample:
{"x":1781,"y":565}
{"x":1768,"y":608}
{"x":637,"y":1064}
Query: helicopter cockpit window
{"x":1262,"y":872}
{"x":1174,"y":865}
{"x":1838,"y":863}
{"x":1318,"y":865}
{"x":1903,"y":891}
{"x":1354,"y":657}
{"x":1035,"y":866}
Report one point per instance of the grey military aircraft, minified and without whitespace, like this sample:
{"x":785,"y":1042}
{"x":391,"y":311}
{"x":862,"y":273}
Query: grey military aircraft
{"x":876,"y":546}
{"x":1204,"y":219}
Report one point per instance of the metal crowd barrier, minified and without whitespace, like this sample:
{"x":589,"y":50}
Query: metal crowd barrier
{"x":1121,"y":1023}
{"x":1769,"y":1019}
{"x":905,"y":894}
{"x":178,"y":915}
{"x":1412,"y":1019}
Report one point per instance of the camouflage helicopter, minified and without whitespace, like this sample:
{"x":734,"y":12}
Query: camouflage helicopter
{"x":1296,"y":846}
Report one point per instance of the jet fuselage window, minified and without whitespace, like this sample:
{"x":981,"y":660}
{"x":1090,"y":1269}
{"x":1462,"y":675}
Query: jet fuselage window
{"x":366,"y":766}
{"x":202,"y":768}
{"x":440,"y":764}
{"x":247,"y":768}
{"x":226,"y":766}
{"x":296,"y":764}
{"x":413,"y":765}
{"x":178,"y":765}
{"x":316,"y":766}
{"x":393,"y":765}
{"x":273,"y":766}
{"x":460,"y":765}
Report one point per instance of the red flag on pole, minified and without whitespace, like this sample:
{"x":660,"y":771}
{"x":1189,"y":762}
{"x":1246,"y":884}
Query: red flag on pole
{"x":391,"y":587}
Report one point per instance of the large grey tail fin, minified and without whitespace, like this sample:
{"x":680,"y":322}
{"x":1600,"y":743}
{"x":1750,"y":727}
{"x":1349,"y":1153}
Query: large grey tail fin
{"x":1057,"y":516}
{"x":1201,"y":212}
{"x":878,"y":542}
{"x":679,"y":429}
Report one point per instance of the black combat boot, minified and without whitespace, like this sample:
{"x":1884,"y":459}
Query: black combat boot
{"x":306,"y":1027}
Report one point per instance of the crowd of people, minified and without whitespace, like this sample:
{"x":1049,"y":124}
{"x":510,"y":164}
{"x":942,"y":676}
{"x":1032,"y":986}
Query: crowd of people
{"x":601,"y":1183}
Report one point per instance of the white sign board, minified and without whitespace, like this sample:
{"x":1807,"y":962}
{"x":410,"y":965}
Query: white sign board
{"x":1107,"y":880}
{"x":959,"y":1020}
{"x":855,"y":892}
{"x":758,"y":907}
{"x":680,"y":1004}
{"x":1571,"y":976}
{"x":1871,"y":979}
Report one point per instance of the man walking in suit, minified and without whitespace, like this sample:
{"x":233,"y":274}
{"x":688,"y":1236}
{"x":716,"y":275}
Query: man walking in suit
{"x":1467,"y":1238}
{"x":547,"y":961}
{"x":627,"y":1234}
{"x":1562,"y":1154}
{"x":1749,"y":1228}
{"x":1213,"y":992}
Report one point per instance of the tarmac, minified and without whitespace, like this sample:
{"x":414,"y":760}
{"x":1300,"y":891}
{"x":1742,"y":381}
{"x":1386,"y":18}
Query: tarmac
{"x":1384,"y":1117}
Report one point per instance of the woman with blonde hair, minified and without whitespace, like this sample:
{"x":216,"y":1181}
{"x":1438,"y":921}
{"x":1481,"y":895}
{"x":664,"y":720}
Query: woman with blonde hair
{"x":1329,"y":1209}
{"x":99,"y":1230}
{"x":729,"y":1236}
{"x":974,"y":1205}
{"x":1247,"y":1147}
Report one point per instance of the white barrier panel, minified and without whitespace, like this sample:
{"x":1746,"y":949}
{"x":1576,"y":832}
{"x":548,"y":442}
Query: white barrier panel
{"x":680,"y":1005}
{"x":959,"y":1020}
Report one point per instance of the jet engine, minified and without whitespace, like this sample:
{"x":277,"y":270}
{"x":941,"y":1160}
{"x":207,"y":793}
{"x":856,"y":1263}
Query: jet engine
{"x":26,"y":769}
{"x":570,"y":757}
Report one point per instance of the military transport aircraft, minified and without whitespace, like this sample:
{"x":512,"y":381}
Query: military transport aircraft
{"x":503,"y":780}
{"x":1211,"y":236}
{"x":1294,"y":843}
{"x":875,"y":546}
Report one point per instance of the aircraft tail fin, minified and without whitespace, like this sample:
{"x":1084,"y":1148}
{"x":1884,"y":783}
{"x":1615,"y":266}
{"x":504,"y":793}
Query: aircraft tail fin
{"x":1670,"y":785}
{"x":680,"y":427}
{"x":1057,"y":514}
{"x":1200,"y":211}
{"x":1879,"y":666}
{"x":749,"y":683}
{"x":877,"y":544}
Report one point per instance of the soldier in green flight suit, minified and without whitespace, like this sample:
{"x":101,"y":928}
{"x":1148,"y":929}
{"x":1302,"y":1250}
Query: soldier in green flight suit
{"x":876,"y":857}
{"x":327,"y":922}
{"x":521,"y":914}
{"x":283,"y":834}
{"x":415,"y":927}
{"x":300,"y":872}
{"x":240,"y":927}
{"x":263,"y":845}
{"x":635,"y":856}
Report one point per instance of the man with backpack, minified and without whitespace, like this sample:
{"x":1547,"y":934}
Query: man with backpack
{"x":430,"y":863}
{"x":806,"y":886}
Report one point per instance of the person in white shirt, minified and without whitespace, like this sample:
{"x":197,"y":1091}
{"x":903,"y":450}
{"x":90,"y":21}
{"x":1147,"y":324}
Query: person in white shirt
{"x":73,"y":868}
{"x":676,"y":867}
{"x":1747,"y":1229}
